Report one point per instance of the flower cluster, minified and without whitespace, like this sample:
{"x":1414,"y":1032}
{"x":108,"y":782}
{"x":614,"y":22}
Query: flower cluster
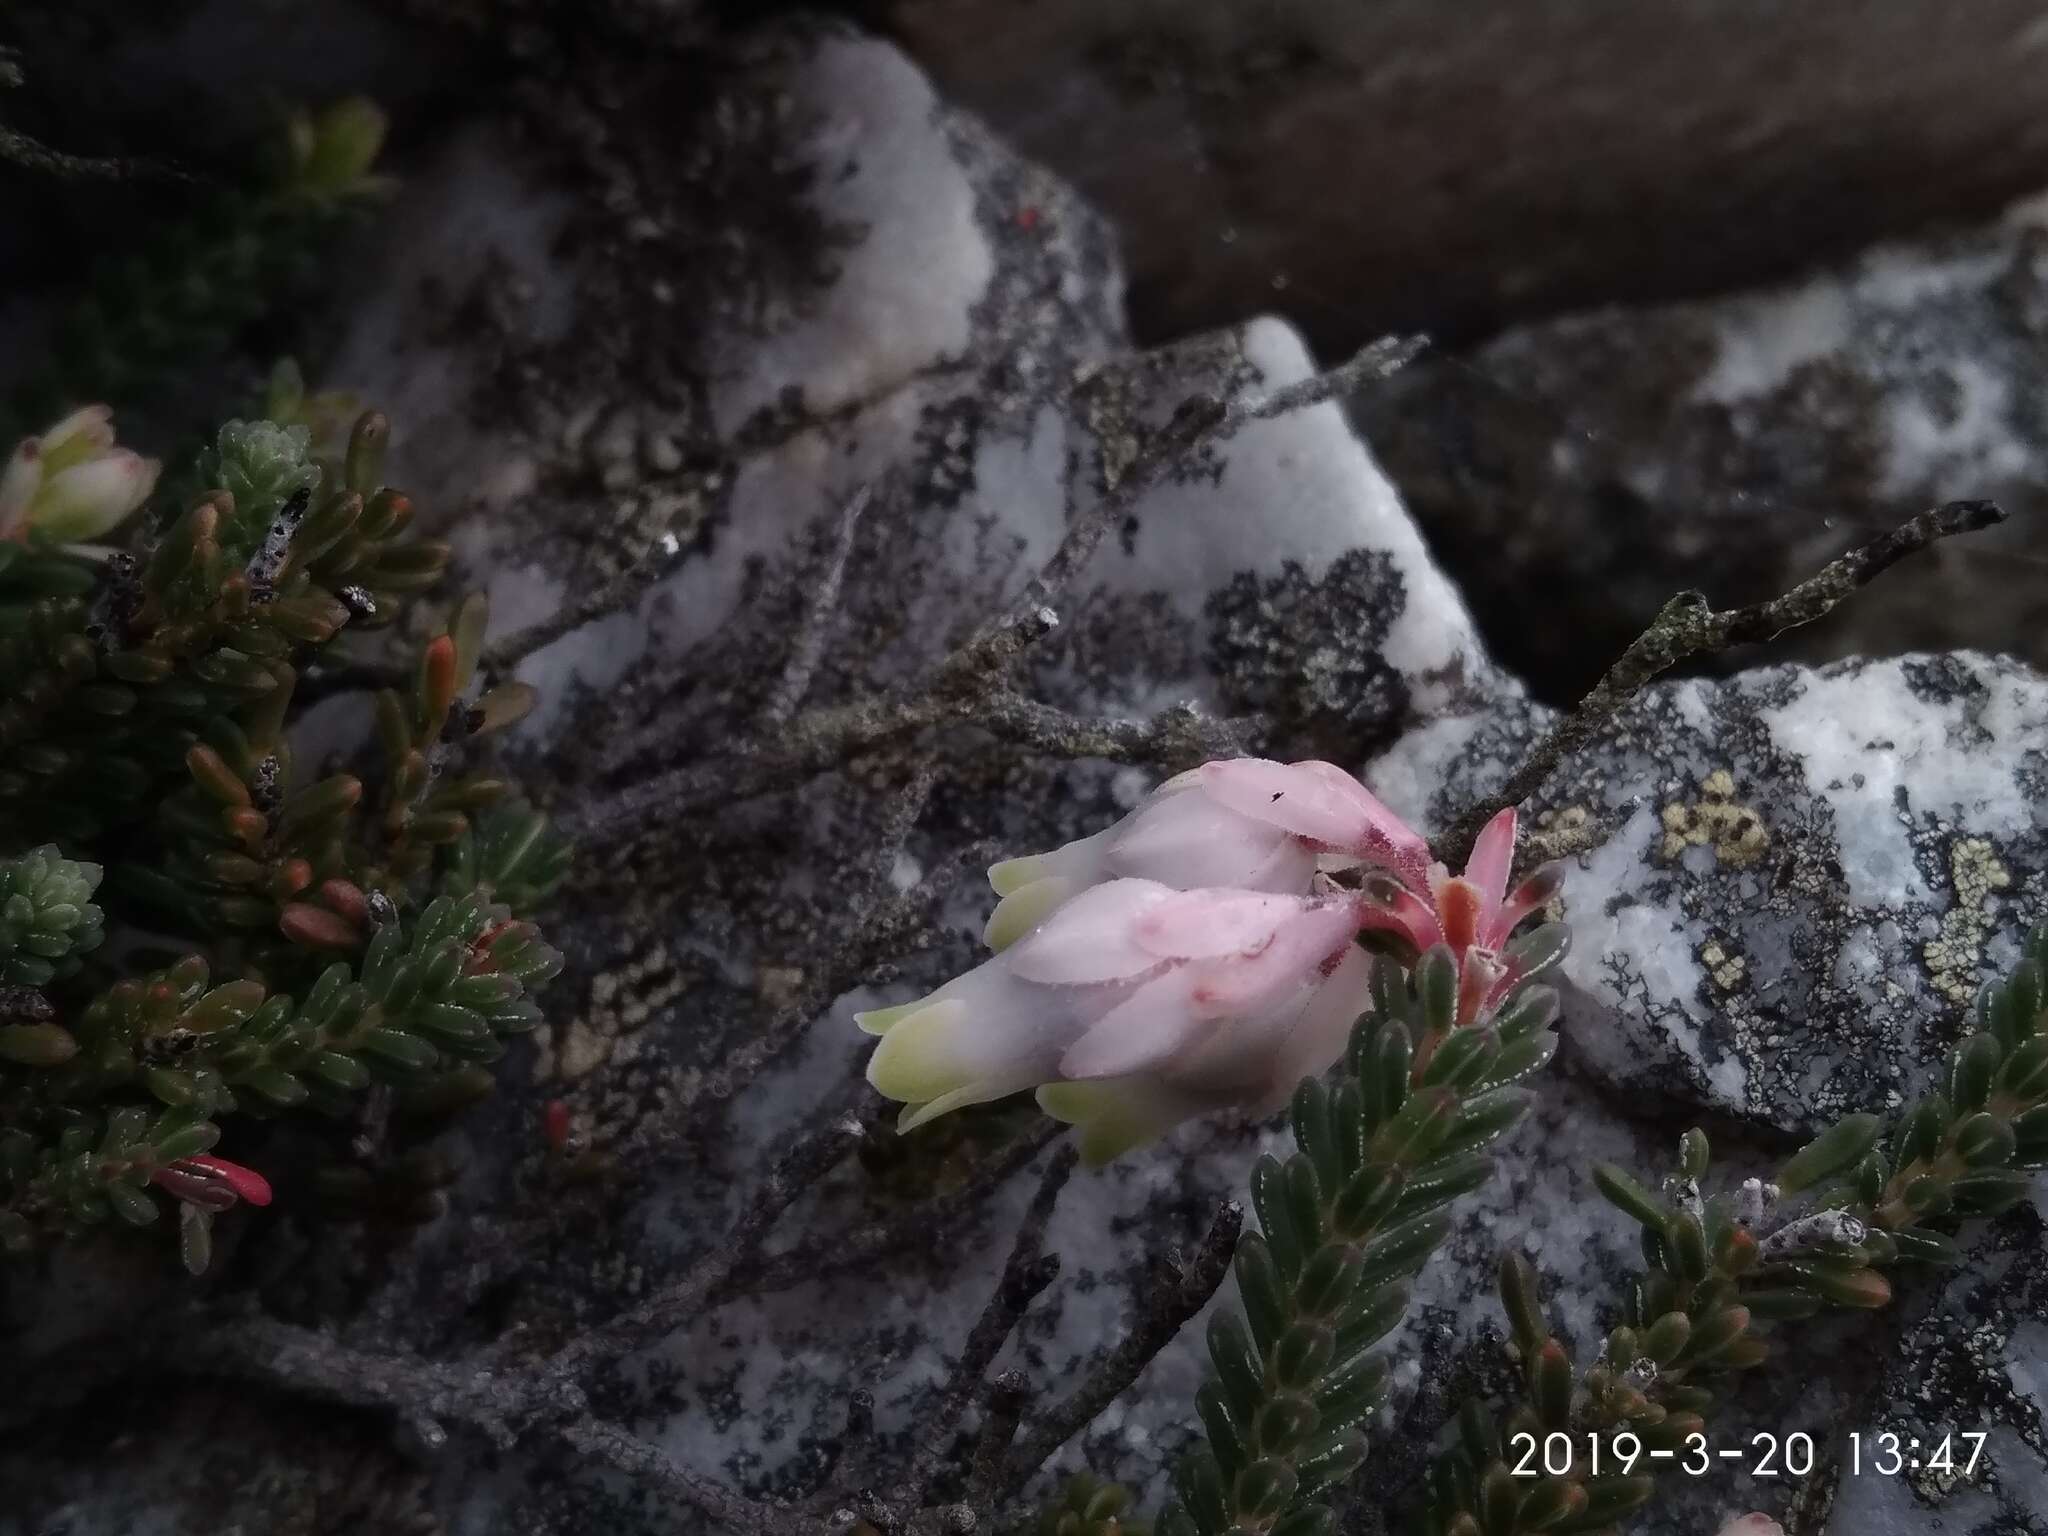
{"x":71,"y":484}
{"x":1201,"y":954}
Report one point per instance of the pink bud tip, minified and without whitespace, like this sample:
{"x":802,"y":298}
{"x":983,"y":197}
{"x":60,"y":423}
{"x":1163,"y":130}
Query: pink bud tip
{"x":250,"y":1185}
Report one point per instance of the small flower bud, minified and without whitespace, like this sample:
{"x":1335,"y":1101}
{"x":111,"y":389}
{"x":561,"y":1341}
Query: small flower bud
{"x":72,"y":484}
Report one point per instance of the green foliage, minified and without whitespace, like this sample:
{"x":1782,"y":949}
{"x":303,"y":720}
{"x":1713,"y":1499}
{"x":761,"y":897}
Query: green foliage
{"x":1384,"y":1145}
{"x":1719,"y":1266}
{"x":359,"y":928}
{"x":261,"y":465}
{"x":103,"y":696}
{"x":188,"y":288}
{"x":47,"y":916}
{"x":427,"y":997}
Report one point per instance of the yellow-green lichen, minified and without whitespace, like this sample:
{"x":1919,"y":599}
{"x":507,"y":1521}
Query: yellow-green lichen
{"x":1955,"y":954}
{"x":1735,"y":832}
{"x":1723,"y":965}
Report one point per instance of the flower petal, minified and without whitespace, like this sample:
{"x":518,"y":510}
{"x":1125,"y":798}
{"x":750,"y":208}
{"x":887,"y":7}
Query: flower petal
{"x":1081,"y":861}
{"x":983,"y":1027}
{"x":1286,"y":795}
{"x":921,"y":1056}
{"x":1214,"y":924}
{"x":1460,"y":909}
{"x":879,"y":1021}
{"x":1187,"y":841}
{"x":88,"y":499}
{"x":1024,"y":908}
{"x":1391,"y":842}
{"x":1293,"y":959}
{"x":1320,"y":801}
{"x":1322,"y":1030}
{"x":1006,"y":876}
{"x":1092,"y":938}
{"x":85,"y":432}
{"x":982,"y":1091}
{"x":1143,"y":1030}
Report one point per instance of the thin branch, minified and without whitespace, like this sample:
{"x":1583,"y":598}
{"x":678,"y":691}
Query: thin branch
{"x":884,"y":925}
{"x":813,"y":1154}
{"x":1199,"y":422}
{"x":1688,"y":626}
{"x":957,"y":690}
{"x":1178,"y":736}
{"x":423,"y":1394}
{"x":922,"y":1226}
{"x":1030,"y":1270}
{"x":821,"y":739}
{"x":30,"y":154}
{"x":602,"y":600}
{"x":809,"y":642}
{"x":625,"y":1452}
{"x":1178,"y":1290}
{"x":1002,"y":1412}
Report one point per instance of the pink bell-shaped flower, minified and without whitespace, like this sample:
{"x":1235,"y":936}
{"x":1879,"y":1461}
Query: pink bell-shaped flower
{"x":1242,"y":823}
{"x":1752,"y":1525}
{"x":1133,"y":1007}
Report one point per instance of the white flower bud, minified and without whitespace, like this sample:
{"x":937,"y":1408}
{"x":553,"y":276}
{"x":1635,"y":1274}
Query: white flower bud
{"x":71,"y":484}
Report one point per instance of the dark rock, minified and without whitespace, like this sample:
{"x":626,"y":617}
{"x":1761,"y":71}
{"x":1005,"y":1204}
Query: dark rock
{"x":1733,"y":445}
{"x":1399,"y":165}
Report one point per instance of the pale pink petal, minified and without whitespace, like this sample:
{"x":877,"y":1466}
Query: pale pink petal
{"x":1391,"y":842}
{"x":1752,"y":1525}
{"x":1139,"y":1033}
{"x":1289,"y":796}
{"x":1493,"y":856}
{"x":1251,"y":983}
{"x":1187,"y":841}
{"x":1092,"y":938}
{"x":1322,"y":1030}
{"x":1210,"y":924}
{"x":1290,"y":868}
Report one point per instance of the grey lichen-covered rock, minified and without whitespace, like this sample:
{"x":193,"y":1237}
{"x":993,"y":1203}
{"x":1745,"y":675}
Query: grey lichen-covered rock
{"x":1811,"y":872}
{"x":1958,"y":1439}
{"x":1733,"y":444}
